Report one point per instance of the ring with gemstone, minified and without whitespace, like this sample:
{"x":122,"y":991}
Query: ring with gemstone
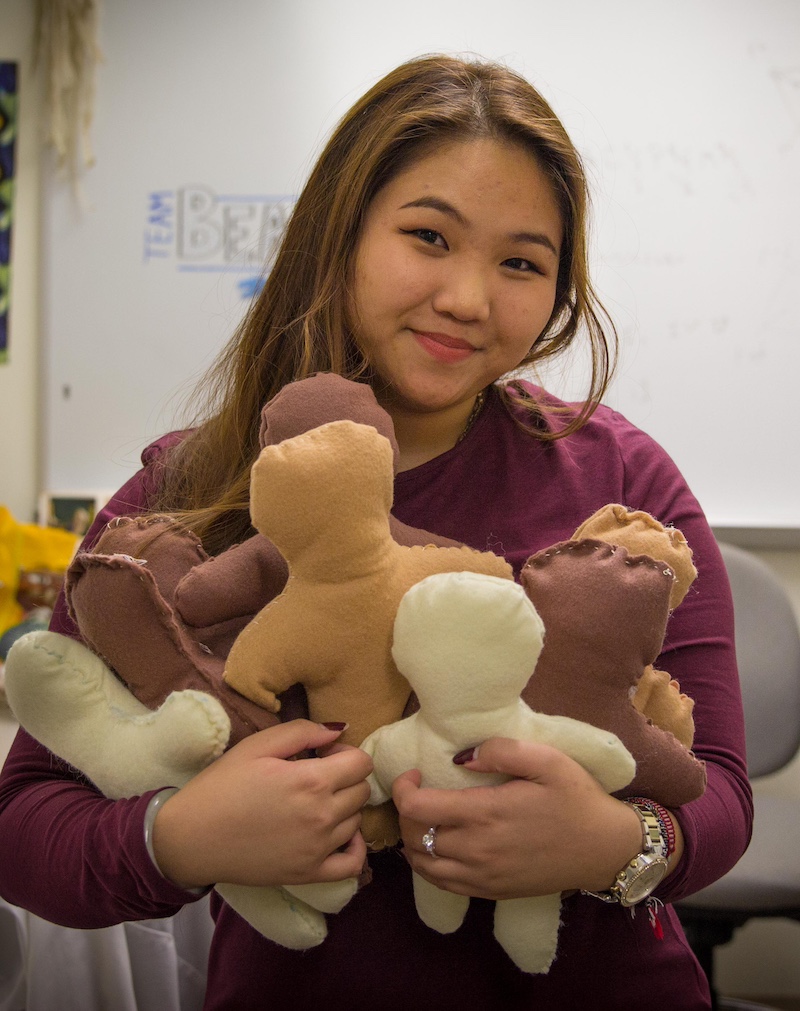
{"x":429,"y":841}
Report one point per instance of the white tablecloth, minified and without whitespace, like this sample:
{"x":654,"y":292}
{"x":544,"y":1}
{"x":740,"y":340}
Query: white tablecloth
{"x":152,"y":965}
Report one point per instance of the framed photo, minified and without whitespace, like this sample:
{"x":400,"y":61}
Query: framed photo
{"x":71,"y":510}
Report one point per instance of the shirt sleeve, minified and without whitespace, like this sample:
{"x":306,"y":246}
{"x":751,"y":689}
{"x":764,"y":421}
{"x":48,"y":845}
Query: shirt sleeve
{"x":68,"y":854}
{"x":699,"y":652}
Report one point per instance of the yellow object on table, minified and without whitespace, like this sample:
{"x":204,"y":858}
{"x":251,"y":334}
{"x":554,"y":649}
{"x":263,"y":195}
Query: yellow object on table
{"x":25,"y":546}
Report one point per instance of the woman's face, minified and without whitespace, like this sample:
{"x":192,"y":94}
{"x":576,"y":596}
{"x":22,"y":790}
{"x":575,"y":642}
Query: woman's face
{"x":455,"y":273}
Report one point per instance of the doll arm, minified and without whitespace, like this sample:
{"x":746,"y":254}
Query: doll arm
{"x":599,"y":751}
{"x":66,"y":697}
{"x":393,"y":750}
{"x":259,"y":665}
{"x":234,"y":584}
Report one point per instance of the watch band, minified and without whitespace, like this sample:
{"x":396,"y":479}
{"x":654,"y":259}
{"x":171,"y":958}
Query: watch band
{"x":664,"y":818}
{"x":642,"y":875}
{"x":653,"y":840}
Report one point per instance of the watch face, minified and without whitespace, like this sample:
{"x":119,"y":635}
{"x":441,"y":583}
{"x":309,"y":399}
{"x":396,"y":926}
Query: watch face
{"x":643,"y":881}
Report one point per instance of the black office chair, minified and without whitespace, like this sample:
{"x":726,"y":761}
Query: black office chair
{"x":766,"y":881}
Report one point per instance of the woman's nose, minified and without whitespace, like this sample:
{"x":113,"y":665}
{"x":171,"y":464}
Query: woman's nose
{"x":463,"y":293}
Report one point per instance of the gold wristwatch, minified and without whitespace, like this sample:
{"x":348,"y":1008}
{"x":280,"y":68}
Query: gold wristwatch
{"x":642,"y":875}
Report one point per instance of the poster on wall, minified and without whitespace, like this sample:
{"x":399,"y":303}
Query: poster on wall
{"x":8,"y":129}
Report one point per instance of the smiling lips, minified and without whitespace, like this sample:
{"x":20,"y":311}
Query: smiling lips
{"x":444,"y":348}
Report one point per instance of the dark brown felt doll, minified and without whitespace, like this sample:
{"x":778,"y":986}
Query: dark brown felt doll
{"x":164,"y":615}
{"x":605,"y":612}
{"x":154,"y":621}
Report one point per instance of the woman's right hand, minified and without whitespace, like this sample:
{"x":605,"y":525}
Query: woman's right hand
{"x":254,"y":817}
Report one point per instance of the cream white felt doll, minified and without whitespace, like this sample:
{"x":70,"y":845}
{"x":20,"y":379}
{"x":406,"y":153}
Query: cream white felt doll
{"x":468,"y":643}
{"x":72,"y":703}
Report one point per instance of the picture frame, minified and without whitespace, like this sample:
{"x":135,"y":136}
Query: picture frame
{"x":70,"y":510}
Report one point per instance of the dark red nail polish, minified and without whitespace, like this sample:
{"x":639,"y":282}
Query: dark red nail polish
{"x":334,"y":726}
{"x":464,"y":756}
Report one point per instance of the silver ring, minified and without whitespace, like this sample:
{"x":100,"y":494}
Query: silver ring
{"x":429,"y":842}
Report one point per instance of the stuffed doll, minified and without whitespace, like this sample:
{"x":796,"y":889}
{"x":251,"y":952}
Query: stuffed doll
{"x":355,"y":463}
{"x":468,"y":643}
{"x":605,"y":612}
{"x":331,"y":628}
{"x":656,"y":694}
{"x":163,"y":614}
{"x":465,"y":643}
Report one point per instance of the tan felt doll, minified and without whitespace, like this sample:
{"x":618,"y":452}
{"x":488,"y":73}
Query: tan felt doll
{"x":331,"y":628}
{"x":163,"y":614}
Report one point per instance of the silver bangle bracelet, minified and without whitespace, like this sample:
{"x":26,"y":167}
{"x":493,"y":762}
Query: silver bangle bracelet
{"x":157,"y":801}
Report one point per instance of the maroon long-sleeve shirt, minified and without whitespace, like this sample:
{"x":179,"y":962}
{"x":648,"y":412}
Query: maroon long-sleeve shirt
{"x":71,"y":856}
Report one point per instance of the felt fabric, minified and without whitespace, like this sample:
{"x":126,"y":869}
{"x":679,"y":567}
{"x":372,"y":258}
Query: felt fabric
{"x":64,"y":695}
{"x":642,"y":534}
{"x":122,"y":595}
{"x":468,"y":644}
{"x":656,"y":694}
{"x":342,"y":560}
{"x":85,"y":863}
{"x":606,"y":613}
{"x":164,"y":615}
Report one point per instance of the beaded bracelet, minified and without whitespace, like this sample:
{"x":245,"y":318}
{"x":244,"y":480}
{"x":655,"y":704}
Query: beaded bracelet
{"x":664,"y":820}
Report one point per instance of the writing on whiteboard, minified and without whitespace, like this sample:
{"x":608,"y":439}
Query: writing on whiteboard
{"x":194,"y":228}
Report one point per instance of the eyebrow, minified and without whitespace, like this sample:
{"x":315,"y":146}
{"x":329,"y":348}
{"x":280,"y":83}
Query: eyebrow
{"x":437,"y":204}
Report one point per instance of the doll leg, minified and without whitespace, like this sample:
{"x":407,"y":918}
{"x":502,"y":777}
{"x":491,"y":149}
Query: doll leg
{"x":438,"y":909}
{"x":380,"y":827}
{"x":66,"y":697}
{"x":527,"y":930}
{"x":277,"y":915}
{"x":326,"y":896}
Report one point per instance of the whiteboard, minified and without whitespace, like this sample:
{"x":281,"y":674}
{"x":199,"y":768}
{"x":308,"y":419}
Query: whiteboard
{"x":208,"y":117}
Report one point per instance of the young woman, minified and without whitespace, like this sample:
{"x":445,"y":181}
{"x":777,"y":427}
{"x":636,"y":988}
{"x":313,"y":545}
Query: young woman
{"x":438,"y":246}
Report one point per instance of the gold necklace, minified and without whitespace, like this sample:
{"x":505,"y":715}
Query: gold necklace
{"x":477,"y":407}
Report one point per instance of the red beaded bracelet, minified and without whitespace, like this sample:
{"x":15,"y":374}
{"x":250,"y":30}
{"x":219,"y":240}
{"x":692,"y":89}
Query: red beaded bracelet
{"x":664,"y":820}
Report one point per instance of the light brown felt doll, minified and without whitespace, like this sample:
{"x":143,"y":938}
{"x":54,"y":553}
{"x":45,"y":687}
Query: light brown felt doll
{"x":163,"y":614}
{"x":331,"y":628}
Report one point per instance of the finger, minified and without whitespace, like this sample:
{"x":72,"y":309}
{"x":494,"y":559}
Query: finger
{"x":289,"y":739}
{"x":429,"y":806}
{"x":346,"y":834}
{"x":351,"y":800}
{"x":520,"y":759}
{"x":333,"y":749}
{"x":347,"y":862}
{"x":338,"y":748}
{"x":345,"y":768}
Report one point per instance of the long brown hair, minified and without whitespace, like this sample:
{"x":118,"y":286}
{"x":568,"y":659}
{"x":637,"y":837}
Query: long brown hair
{"x":298,"y":325}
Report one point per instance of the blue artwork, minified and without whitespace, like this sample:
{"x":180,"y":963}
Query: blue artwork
{"x":194,"y":229}
{"x":8,"y":130}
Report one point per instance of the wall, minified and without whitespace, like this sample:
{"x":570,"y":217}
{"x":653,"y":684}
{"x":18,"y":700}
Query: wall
{"x":20,"y":420}
{"x":763,"y":956}
{"x":686,"y":115}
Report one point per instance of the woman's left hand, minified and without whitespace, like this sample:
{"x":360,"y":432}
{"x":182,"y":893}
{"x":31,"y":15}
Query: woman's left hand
{"x":550,"y":829}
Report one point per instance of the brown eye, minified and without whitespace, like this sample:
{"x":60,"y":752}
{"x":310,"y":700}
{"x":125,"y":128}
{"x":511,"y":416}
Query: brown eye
{"x":428,"y":235}
{"x":518,"y":263}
